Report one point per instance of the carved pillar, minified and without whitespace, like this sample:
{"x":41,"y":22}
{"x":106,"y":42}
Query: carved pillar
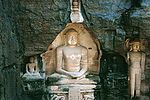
{"x":74,"y":93}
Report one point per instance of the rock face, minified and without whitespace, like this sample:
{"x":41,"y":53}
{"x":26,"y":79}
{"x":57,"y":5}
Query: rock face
{"x":114,"y":77}
{"x":28,"y":26}
{"x":41,"y":21}
{"x":9,"y":43}
{"x":104,"y":14}
{"x":38,"y":22}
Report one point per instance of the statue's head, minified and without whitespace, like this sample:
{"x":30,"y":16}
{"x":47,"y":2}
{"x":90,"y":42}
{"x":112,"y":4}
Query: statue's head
{"x":135,"y":45}
{"x":72,"y":38}
{"x":32,"y":59}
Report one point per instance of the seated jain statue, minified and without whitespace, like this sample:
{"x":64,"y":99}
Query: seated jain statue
{"x":32,"y":70}
{"x":136,"y":61}
{"x":71,"y":58}
{"x":73,"y":54}
{"x":71,"y":63}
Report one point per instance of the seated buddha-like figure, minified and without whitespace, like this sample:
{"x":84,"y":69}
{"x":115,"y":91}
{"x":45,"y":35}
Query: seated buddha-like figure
{"x":71,"y":58}
{"x":32,"y":69}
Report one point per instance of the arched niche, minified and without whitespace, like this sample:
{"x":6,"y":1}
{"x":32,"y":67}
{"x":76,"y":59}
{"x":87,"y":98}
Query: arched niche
{"x":85,"y":39}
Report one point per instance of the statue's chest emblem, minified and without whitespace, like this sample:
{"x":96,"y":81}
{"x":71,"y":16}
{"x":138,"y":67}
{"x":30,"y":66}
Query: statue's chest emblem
{"x":73,"y":56}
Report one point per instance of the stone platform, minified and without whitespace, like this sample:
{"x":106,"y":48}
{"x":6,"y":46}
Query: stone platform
{"x":73,"y":89}
{"x":33,"y":85}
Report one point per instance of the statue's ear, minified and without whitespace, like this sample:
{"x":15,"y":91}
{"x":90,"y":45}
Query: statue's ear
{"x":130,"y":48}
{"x":127,"y":44}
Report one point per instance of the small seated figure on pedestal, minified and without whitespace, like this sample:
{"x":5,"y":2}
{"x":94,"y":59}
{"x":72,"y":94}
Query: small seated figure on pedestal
{"x":32,"y":70}
{"x":136,"y":61}
{"x":71,"y":59}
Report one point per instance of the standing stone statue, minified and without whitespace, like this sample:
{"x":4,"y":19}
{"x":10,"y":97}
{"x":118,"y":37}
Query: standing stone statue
{"x":136,"y":61}
{"x":76,"y":16}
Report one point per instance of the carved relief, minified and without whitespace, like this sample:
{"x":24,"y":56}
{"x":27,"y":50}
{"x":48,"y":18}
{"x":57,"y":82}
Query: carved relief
{"x":88,"y":97}
{"x":58,"y":97}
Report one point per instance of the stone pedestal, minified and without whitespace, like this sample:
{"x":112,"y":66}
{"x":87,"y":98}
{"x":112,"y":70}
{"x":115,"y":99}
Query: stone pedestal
{"x":73,"y":89}
{"x":33,"y":85}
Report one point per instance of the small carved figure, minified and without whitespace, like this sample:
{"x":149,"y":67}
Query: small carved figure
{"x":136,"y":61}
{"x":32,"y":69}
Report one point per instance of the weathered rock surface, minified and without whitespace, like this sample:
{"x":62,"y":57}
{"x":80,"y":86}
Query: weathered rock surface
{"x":40,"y":21}
{"x":27,"y":27}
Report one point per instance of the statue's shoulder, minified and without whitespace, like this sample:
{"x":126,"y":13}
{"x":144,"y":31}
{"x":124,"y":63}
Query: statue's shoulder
{"x":129,"y":52}
{"x":34,"y":64}
{"x":31,"y":64}
{"x":83,"y":48}
{"x":60,"y":47}
{"x":27,"y":64}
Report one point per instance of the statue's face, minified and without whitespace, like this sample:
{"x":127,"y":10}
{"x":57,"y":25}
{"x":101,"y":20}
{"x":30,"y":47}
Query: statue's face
{"x":136,"y":46}
{"x":72,"y":38}
{"x":32,"y":59}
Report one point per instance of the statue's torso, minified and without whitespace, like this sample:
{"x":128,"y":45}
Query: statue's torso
{"x":135,"y":59}
{"x":72,"y":58}
{"x":31,"y":67}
